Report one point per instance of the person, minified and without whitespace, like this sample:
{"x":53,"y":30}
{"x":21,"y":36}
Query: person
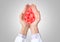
{"x":33,"y":26}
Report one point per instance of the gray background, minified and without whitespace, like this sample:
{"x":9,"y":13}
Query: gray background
{"x":49,"y":25}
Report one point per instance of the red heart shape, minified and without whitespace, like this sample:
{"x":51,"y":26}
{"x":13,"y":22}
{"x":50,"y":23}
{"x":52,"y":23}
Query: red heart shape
{"x":29,"y":16}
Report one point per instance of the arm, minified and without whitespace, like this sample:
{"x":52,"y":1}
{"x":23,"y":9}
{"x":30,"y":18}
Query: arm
{"x":22,"y":35}
{"x":25,"y":26}
{"x":35,"y":34}
{"x":34,"y":26}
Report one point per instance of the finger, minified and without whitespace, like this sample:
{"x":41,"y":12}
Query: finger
{"x":34,"y":6}
{"x":40,"y":15}
{"x":25,"y":8}
{"x":20,"y":17}
{"x":34,"y":9}
{"x":36,"y":12}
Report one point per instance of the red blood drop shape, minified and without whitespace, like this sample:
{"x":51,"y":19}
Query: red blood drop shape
{"x":29,"y":16}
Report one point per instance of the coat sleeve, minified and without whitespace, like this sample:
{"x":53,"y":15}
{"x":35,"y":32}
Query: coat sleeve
{"x":20,"y":38}
{"x":36,"y":38}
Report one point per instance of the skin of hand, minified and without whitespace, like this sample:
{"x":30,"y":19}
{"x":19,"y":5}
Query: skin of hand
{"x":34,"y":25}
{"x":25,"y":26}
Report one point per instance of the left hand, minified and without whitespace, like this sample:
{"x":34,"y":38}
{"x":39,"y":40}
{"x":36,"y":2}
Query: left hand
{"x":37,"y":15}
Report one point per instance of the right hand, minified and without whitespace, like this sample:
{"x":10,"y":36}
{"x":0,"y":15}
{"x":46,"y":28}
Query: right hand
{"x":22,"y":21}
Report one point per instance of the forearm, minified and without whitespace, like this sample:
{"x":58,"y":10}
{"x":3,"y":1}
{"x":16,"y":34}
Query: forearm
{"x":22,"y":35}
{"x":24,"y":30}
{"x":34,"y":29}
{"x":35,"y":34}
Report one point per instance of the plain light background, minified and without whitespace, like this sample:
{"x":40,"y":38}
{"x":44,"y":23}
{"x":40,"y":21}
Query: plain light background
{"x":49,"y":25}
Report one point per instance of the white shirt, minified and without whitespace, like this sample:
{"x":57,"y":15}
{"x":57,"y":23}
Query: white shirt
{"x":34,"y":38}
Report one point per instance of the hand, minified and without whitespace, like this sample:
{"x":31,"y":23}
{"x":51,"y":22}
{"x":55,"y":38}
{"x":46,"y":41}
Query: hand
{"x":37,"y":15}
{"x":25,"y":26}
{"x":34,"y":25}
{"x":22,"y":21}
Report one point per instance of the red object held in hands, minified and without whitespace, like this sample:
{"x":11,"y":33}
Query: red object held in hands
{"x":29,"y":16}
